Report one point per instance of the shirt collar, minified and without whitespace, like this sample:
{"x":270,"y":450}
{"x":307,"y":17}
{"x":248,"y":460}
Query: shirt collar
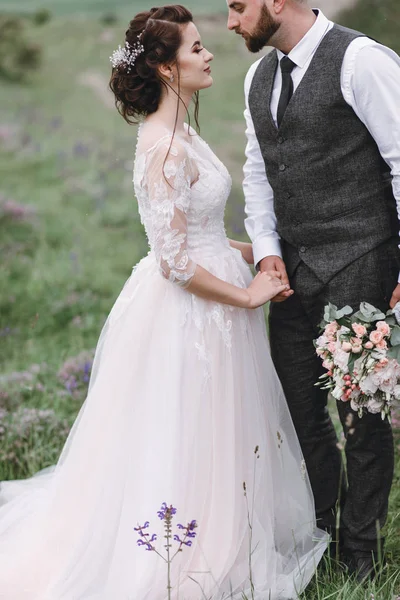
{"x":301,"y":53}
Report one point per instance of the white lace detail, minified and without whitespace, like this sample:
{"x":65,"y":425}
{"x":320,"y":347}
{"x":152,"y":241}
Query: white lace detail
{"x":182,"y":189}
{"x":164,"y":199}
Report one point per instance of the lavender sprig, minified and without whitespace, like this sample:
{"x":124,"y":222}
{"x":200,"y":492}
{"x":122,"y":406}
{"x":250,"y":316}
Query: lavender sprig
{"x":144,"y":538}
{"x":166,"y":514}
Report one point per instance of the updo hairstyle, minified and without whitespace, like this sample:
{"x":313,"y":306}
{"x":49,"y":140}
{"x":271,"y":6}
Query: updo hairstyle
{"x":138,"y":92}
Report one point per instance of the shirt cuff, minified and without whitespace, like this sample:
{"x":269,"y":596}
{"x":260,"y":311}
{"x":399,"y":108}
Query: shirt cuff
{"x":267,"y":246}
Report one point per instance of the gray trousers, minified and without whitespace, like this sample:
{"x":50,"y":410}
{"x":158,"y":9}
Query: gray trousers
{"x":369,"y":440}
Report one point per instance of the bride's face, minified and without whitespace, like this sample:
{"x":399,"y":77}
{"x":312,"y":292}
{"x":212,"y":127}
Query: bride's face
{"x":194,"y":61}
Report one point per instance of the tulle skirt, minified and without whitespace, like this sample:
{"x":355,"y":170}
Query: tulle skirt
{"x":182,"y":392}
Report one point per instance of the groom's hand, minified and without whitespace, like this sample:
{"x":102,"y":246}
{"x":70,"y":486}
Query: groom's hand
{"x":395,"y":296}
{"x":275,"y":263}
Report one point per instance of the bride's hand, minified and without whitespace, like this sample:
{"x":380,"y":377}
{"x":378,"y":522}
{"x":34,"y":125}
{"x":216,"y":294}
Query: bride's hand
{"x":264,"y":287}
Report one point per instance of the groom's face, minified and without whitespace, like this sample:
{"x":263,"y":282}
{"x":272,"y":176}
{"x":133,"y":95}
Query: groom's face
{"x":253,"y":21}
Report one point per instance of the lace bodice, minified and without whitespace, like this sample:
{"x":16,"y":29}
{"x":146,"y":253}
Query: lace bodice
{"x":182,"y":189}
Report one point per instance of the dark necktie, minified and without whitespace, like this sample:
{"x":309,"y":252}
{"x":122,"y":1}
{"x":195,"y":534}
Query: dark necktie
{"x":287,"y":67}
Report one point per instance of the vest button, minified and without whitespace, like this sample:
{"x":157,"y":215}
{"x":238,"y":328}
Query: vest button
{"x":282,"y":167}
{"x":281,"y":139}
{"x":302,"y":249}
{"x":288,"y":195}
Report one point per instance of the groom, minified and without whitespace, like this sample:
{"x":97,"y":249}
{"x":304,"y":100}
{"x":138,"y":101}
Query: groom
{"x":322,"y":179}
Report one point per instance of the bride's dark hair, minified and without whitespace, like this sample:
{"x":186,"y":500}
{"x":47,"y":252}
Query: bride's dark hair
{"x":138,"y":92}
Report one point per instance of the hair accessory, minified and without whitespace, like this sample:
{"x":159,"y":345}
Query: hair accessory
{"x":127,"y":55}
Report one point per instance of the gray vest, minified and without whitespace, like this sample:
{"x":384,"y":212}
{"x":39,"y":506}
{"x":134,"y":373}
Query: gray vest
{"x":333,"y":196}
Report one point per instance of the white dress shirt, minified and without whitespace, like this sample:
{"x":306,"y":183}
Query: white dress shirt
{"x":370,"y":82}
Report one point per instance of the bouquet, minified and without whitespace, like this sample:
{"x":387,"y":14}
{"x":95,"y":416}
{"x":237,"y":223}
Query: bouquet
{"x":361,"y":353}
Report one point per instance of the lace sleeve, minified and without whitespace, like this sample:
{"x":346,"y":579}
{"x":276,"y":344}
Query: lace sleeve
{"x":169,"y":198}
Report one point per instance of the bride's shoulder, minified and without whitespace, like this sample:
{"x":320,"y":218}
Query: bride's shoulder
{"x":154,"y":143}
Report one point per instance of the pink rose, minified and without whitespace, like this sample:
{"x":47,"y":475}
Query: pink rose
{"x":376,"y":337}
{"x":383,"y":328}
{"x":356,"y":348}
{"x":368,"y":345}
{"x":359,"y":330}
{"x":332,"y":347}
{"x":381,"y":364}
{"x":330,"y":330}
{"x":382,"y":345}
{"x":347,"y":347}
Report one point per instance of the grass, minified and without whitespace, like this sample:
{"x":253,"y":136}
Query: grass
{"x":70,"y":232}
{"x":98,"y":7}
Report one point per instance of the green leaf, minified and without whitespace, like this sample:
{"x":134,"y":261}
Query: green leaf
{"x":330,"y":312}
{"x":368,"y":313}
{"x":370,"y":318}
{"x":395,"y":336}
{"x":343,"y":312}
{"x":394,"y":352}
{"x":391,"y":321}
{"x":351,"y":362}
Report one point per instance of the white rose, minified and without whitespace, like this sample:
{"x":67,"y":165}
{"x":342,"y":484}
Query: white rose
{"x":322,"y":341}
{"x":375,"y":406}
{"x":343,"y":330}
{"x":387,"y":378}
{"x":341,"y":360}
{"x":368,"y":385}
{"x":337,"y":393}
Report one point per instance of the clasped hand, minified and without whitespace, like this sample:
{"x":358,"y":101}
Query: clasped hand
{"x":274,"y":265}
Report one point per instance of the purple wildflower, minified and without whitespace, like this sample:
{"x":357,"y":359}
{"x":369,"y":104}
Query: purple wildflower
{"x":75,"y":373}
{"x":8,"y":331}
{"x":189,"y":532}
{"x":56,"y":123}
{"x":166,"y":512}
{"x":144,"y":538}
{"x":81,"y":149}
{"x":184,"y":541}
{"x":71,"y":384}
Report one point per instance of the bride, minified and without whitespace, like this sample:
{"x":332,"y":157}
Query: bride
{"x":182,"y":391}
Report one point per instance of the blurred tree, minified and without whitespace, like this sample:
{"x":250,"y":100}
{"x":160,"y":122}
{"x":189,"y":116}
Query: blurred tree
{"x":41,"y":16}
{"x":17,"y":55}
{"x":109,"y":19}
{"x":379,"y":19}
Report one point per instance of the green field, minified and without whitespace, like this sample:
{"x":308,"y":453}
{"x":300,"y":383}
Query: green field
{"x":96,"y":7}
{"x":69,"y":227}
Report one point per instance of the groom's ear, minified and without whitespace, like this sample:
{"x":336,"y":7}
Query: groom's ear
{"x":276,"y":6}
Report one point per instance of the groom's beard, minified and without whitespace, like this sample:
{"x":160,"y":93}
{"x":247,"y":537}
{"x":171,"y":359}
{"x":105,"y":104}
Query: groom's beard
{"x":263,"y":32}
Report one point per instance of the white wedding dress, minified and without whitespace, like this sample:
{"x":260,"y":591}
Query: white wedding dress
{"x":182,"y":391}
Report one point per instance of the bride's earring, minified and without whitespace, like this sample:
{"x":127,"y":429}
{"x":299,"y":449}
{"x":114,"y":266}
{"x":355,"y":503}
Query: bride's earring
{"x":172,"y":78}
